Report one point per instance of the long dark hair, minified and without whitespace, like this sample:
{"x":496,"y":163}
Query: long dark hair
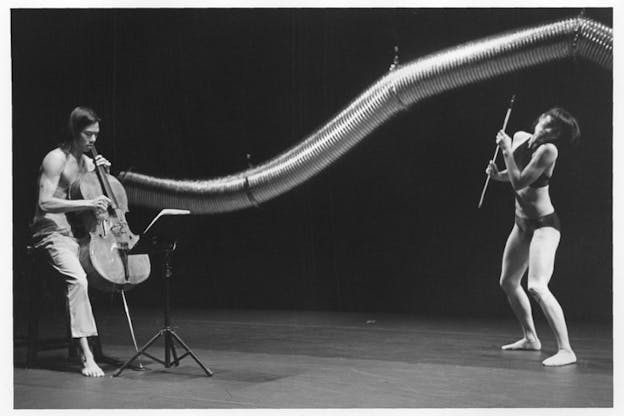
{"x":79,"y":118}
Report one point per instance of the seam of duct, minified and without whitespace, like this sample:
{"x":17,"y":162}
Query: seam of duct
{"x":394,"y":92}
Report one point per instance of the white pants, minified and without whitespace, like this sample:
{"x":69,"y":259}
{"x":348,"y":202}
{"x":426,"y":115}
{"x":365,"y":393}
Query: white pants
{"x":63,"y":256}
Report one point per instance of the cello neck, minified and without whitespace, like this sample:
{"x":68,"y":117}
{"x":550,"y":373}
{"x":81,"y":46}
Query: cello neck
{"x":101,"y":173}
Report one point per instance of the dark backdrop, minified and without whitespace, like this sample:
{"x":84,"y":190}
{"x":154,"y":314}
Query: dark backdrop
{"x":392,"y":226}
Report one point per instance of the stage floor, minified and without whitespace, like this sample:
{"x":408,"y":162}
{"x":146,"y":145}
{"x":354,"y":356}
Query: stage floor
{"x":294,"y":359}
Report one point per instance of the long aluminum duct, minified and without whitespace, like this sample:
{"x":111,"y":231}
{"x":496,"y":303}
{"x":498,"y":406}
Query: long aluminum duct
{"x":428,"y":76}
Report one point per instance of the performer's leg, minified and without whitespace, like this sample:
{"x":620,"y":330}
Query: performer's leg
{"x":63,"y":253}
{"x":515,"y":262}
{"x":542,"y":261}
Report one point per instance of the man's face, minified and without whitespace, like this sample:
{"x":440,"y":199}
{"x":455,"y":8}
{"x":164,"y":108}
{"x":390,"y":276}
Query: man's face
{"x":88,"y":136}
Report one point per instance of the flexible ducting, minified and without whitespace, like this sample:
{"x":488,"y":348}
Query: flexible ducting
{"x":408,"y":84}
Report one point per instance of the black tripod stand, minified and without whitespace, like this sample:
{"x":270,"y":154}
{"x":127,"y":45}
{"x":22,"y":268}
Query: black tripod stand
{"x":166,"y":247}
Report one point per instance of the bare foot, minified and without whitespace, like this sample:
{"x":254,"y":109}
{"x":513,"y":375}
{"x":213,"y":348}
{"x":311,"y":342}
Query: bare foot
{"x":524,"y":344}
{"x":563,"y":357}
{"x":90,"y":368}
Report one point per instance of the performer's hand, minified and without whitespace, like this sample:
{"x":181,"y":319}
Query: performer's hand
{"x":492,"y":170}
{"x":503,"y":141}
{"x":100,"y":204}
{"x":102,"y":161}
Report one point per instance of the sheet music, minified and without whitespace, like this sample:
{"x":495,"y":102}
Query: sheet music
{"x":166,"y":211}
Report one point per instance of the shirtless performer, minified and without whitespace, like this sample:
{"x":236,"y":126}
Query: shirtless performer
{"x":51,"y":229}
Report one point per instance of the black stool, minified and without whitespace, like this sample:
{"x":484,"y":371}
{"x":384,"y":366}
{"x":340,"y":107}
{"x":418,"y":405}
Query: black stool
{"x":41,"y":278}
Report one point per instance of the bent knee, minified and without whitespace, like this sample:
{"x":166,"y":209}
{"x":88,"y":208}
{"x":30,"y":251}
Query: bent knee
{"x":508,"y":285}
{"x":538,"y":291}
{"x":79,"y":282}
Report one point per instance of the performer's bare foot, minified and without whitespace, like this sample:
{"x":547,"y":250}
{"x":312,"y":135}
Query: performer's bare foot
{"x":524,"y":345}
{"x":563,"y":357}
{"x":90,"y":368}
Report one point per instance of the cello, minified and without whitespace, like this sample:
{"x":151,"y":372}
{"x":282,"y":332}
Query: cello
{"x":107,"y":237}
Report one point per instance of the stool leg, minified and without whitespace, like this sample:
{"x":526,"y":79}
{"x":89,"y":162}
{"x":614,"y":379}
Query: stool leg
{"x":33,"y":318}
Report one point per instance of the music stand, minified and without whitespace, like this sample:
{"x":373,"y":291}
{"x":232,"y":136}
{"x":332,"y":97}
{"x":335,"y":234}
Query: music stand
{"x":160,"y":236}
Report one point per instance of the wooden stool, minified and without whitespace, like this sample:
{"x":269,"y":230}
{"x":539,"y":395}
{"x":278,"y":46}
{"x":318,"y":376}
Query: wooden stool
{"x":41,"y":276}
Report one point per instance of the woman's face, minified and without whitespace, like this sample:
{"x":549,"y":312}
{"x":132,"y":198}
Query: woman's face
{"x":544,"y":129}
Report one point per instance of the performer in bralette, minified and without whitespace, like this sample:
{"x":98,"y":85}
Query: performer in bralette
{"x":51,"y":228}
{"x":532,"y":244}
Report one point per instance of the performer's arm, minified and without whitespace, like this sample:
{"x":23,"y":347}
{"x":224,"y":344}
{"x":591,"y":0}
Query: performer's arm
{"x":494,"y":173}
{"x":52,"y":168}
{"x":542,"y":158}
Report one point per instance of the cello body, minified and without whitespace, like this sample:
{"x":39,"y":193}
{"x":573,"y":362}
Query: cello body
{"x":106,"y":239}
